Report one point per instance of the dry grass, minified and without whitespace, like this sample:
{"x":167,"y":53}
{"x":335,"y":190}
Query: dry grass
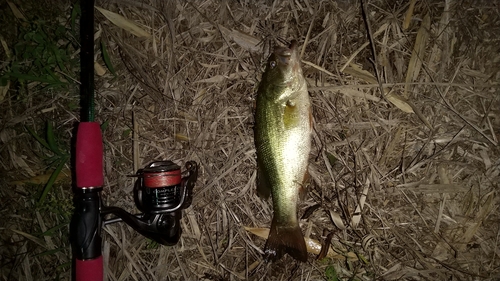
{"x":405,"y":157}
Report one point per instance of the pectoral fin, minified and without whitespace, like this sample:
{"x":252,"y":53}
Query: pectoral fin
{"x":263,"y":186}
{"x":290,"y":115}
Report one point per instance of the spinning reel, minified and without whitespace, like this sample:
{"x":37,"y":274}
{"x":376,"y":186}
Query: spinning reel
{"x":161,"y":191}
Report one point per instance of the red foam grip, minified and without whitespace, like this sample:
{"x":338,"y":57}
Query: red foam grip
{"x":89,"y":160}
{"x":89,"y":270}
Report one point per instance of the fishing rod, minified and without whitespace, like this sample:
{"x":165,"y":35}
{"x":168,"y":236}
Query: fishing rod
{"x":161,"y":190}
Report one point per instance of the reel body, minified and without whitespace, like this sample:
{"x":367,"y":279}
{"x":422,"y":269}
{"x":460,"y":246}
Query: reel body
{"x":161,"y":193}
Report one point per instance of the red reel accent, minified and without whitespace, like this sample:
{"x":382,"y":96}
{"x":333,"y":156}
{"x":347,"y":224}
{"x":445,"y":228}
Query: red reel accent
{"x":162,"y":179}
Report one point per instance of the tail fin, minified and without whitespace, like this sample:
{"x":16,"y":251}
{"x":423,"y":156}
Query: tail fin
{"x":285,"y":239}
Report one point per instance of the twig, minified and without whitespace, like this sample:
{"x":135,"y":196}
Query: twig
{"x":374,"y":61}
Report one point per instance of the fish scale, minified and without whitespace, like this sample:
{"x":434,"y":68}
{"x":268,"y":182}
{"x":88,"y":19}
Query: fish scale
{"x":283,"y":140}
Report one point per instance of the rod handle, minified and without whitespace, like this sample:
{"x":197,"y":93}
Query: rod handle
{"x":89,"y":156}
{"x":89,"y":270}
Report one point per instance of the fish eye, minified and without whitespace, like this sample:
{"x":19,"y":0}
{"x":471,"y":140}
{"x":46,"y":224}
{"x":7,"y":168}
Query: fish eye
{"x":272,"y":64}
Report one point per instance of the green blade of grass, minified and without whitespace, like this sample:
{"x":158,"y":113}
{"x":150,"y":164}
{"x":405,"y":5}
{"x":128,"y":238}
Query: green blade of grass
{"x":64,"y":265}
{"x":51,"y":231}
{"x":75,"y":12}
{"x":362,"y":258}
{"x":51,"y":140}
{"x":106,"y":58}
{"x":50,"y":73}
{"x":52,"y":179}
{"x":104,"y":125}
{"x":331,"y":158}
{"x":28,"y":77}
{"x":49,"y":252}
{"x":38,"y":138}
{"x":331,"y":273}
{"x":56,"y":52}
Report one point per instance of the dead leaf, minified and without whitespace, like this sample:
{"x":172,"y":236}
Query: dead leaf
{"x":335,"y":217}
{"x":181,"y":137}
{"x":245,"y":41}
{"x":356,"y":71}
{"x":124,"y":23}
{"x":42,"y":179}
{"x":16,"y":11}
{"x":409,"y":15}
{"x":399,"y":102}
{"x":99,"y":70}
{"x":392,"y":97}
{"x":31,"y":237}
{"x":213,"y":79}
{"x":4,"y":90}
{"x":418,"y":53}
{"x":5,"y":47}
{"x":313,"y":245}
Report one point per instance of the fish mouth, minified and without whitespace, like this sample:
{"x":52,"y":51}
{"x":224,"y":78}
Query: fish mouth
{"x":286,"y":55}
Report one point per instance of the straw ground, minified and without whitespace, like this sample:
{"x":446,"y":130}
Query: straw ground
{"x":405,"y":162}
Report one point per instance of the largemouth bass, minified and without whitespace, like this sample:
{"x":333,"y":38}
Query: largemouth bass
{"x":283,"y":124}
